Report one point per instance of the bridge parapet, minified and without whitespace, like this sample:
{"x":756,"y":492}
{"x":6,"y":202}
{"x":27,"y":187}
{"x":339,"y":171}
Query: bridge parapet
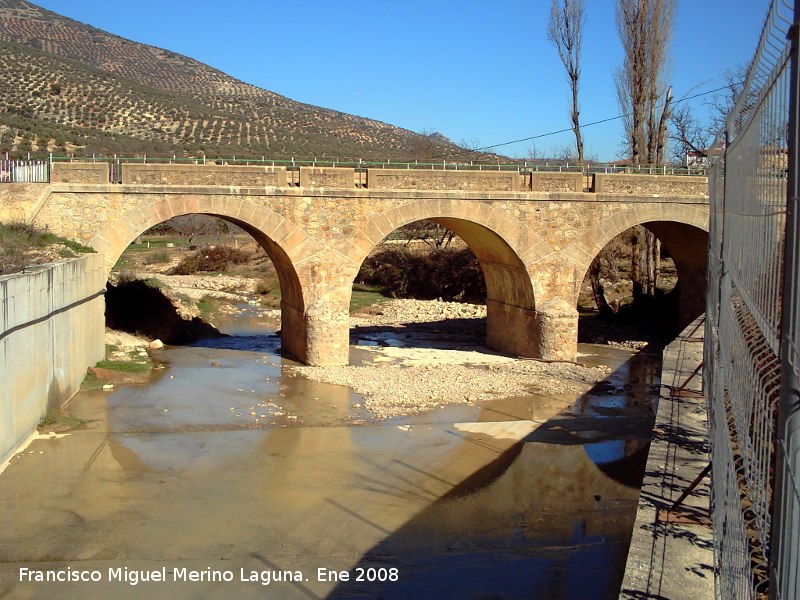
{"x":347,"y":178}
{"x":79,"y":172}
{"x":553,"y":181}
{"x":221,"y":175}
{"x":423,"y":179}
{"x":640,"y":185}
{"x":333,"y":177}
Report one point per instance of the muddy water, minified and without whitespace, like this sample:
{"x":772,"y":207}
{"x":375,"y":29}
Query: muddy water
{"x":226,"y":466}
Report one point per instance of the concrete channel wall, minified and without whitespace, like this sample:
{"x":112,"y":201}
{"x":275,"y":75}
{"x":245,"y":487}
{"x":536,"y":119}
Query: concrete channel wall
{"x":671,"y":552}
{"x":52,"y":327}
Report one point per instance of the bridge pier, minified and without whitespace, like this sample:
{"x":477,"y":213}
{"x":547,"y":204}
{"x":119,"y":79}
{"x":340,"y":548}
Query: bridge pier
{"x":320,"y":334}
{"x":557,"y":330}
{"x":550,"y":333}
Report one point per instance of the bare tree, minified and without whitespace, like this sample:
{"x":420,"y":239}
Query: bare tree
{"x":722,"y":104}
{"x":565,"y":32}
{"x":564,"y":153}
{"x":689,"y":134}
{"x":645,"y":28}
{"x":694,"y":135}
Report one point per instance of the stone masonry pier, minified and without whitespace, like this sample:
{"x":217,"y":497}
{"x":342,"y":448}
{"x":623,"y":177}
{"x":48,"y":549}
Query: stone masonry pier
{"x":534,"y":234}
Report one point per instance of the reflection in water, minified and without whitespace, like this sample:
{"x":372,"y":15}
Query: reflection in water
{"x":226,"y":457}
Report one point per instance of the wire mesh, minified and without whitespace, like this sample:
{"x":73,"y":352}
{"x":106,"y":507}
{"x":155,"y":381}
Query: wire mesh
{"x":747,"y":344}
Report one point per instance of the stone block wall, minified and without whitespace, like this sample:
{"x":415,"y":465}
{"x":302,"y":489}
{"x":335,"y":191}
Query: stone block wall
{"x":79,"y":172}
{"x":52,"y":327}
{"x":552,"y":181}
{"x":332,"y":177}
{"x":661,"y":185}
{"x":18,"y":201}
{"x":422,"y":179}
{"x":222,"y":175}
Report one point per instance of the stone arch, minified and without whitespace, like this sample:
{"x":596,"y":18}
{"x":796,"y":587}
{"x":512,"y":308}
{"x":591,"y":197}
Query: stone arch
{"x":284,"y":242}
{"x":682,"y":229}
{"x":496,"y":240}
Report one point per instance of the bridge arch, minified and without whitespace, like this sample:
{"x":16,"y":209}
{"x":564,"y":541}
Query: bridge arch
{"x":494,"y":238}
{"x":682,"y":229}
{"x":283,"y":241}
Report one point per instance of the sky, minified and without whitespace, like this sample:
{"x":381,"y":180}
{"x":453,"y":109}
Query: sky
{"x":480,"y":73}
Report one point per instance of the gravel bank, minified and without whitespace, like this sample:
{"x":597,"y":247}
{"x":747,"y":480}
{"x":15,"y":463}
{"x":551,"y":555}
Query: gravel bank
{"x":393,"y":390}
{"x":400,"y":312}
{"x":230,"y":287}
{"x":419,"y":377}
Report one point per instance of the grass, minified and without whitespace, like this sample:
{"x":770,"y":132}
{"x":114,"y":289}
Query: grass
{"x":124,"y":366}
{"x":207,"y":304}
{"x":19,"y":241}
{"x":58,"y":422}
{"x":364,"y":296}
{"x":92,"y":382}
{"x":154,"y":283}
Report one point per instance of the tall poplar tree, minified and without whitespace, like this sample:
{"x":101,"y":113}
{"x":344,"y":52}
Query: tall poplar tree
{"x":565,"y":32}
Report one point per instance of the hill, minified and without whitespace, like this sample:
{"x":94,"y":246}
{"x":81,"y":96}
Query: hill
{"x":69,"y":87}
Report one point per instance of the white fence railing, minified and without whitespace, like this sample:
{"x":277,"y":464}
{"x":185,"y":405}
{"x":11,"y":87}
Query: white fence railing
{"x":24,"y":171}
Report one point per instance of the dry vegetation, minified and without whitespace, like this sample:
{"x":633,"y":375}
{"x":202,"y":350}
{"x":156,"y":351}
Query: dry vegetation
{"x":22,"y":245}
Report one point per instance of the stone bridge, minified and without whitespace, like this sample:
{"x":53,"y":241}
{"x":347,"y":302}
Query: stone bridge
{"x":534,"y":234}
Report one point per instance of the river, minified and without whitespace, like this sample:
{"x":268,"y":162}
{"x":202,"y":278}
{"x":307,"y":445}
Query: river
{"x":227,"y":465}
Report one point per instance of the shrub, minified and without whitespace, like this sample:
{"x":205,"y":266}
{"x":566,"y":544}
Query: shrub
{"x":155,"y":258}
{"x":448,"y":274}
{"x":213,"y":258}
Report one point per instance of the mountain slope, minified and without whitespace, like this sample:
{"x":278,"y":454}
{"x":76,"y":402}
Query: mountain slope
{"x":71,"y":87}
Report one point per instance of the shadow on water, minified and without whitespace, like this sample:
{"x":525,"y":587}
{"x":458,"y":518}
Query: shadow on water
{"x":549,"y":517}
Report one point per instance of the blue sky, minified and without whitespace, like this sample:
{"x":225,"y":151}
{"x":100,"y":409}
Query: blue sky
{"x":480,"y":73}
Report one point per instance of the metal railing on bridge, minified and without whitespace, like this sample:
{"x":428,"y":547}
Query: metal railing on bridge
{"x":24,"y":171}
{"x":752,"y":326}
{"x":38,"y":170}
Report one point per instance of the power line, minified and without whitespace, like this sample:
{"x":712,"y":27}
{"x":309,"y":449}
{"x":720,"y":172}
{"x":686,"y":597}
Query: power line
{"x":568,"y":129}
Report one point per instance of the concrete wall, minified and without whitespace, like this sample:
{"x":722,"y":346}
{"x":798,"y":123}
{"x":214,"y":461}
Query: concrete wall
{"x":672,"y":558}
{"x":52,"y":327}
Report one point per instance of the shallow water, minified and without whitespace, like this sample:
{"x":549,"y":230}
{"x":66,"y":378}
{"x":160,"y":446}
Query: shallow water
{"x":242,"y":466}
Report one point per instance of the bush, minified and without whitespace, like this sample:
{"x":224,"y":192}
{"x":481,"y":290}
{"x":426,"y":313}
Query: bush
{"x":213,"y":258}
{"x":156,"y":258}
{"x":447,"y":274}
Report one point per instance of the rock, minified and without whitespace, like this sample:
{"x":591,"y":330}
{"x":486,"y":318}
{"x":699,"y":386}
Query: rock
{"x":156,"y":344}
{"x":214,"y":363}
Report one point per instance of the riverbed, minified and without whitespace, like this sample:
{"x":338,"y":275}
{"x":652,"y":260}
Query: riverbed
{"x":230,"y":463}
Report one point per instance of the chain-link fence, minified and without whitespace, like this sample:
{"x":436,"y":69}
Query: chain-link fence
{"x":752,"y":327}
